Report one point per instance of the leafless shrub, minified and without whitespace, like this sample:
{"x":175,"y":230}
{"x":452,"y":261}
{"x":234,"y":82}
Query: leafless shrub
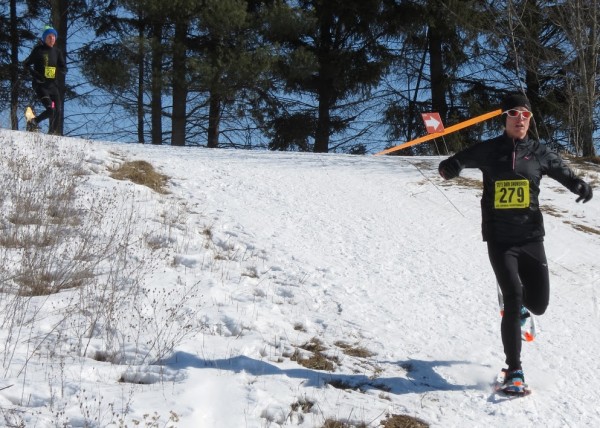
{"x":57,"y":236}
{"x":155,"y":321}
{"x":173,"y":218}
{"x":12,"y":418}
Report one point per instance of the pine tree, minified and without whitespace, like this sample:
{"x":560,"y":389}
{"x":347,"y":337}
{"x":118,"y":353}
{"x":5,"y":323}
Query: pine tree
{"x":333,"y":52}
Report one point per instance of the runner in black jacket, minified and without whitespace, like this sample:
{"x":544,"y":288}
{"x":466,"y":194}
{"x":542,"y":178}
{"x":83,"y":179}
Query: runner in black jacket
{"x":44,"y":63}
{"x":512,"y":225}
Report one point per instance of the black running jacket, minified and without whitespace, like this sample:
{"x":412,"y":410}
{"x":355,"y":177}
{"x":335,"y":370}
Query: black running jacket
{"x":512,"y":170}
{"x":44,"y":63}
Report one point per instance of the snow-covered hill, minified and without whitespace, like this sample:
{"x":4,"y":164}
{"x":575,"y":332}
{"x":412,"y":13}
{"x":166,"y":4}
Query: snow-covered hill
{"x":370,"y":271}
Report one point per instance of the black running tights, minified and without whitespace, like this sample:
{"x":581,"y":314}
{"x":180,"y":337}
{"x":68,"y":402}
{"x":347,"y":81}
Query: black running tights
{"x":50,"y":98}
{"x":522,"y":273}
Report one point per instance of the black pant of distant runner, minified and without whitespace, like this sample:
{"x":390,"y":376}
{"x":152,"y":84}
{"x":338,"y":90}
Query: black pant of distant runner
{"x":522,"y":274}
{"x":49,"y":96}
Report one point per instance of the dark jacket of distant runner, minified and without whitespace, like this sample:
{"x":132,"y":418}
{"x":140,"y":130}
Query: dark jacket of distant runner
{"x":44,"y":63}
{"x":512,"y":170}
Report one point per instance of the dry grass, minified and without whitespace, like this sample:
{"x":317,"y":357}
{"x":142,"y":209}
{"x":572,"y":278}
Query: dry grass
{"x":354,"y":350}
{"x":314,"y":345}
{"x":403,"y":421}
{"x":39,"y":283}
{"x":470,"y":183}
{"x":316,"y":359}
{"x":553,"y":211}
{"x":333,"y":423}
{"x":300,"y":327}
{"x":143,"y":173}
{"x":583,"y":227}
{"x":304,"y":406}
{"x":391,"y":421}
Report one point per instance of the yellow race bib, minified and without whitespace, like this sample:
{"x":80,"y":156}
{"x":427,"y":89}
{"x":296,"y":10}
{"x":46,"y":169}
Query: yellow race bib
{"x":511,"y":194}
{"x":50,"y":72}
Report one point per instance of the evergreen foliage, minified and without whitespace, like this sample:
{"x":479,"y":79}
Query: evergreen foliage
{"x":311,"y":75}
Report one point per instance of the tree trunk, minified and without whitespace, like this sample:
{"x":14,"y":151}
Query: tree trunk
{"x":14,"y":67}
{"x":436,"y":70}
{"x":587,"y":135}
{"x":587,"y":52}
{"x":323,"y":122}
{"x":141,"y":87}
{"x":324,"y":84}
{"x":178,"y":122}
{"x":214,"y":120}
{"x":156,"y":88}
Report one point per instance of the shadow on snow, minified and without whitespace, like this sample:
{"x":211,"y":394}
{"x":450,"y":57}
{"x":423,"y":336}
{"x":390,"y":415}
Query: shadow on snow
{"x":419,"y":376}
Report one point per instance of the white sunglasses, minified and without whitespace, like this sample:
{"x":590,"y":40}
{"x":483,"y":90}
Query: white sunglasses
{"x":525,"y":114}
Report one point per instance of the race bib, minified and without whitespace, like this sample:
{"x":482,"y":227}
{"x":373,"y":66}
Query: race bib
{"x":511,"y":194}
{"x":50,"y":72}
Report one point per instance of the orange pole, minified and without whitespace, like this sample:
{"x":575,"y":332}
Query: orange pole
{"x":446,"y":131}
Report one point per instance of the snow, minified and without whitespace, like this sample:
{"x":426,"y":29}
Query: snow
{"x":257,"y":254}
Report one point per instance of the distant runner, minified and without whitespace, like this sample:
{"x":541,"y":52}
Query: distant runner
{"x":44,"y":63}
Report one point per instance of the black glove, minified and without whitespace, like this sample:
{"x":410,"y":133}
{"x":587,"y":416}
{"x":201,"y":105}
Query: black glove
{"x":584,"y":191}
{"x":449,"y":168}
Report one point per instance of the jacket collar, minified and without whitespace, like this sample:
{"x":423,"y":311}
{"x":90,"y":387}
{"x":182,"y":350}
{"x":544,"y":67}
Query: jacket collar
{"x":517,"y":141}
